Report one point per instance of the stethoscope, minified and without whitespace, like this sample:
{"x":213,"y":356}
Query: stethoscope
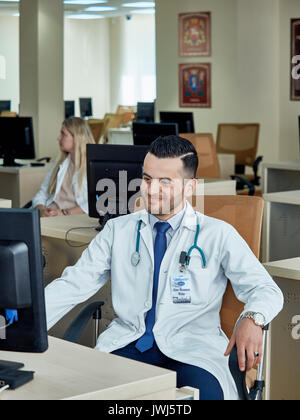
{"x":184,"y":256}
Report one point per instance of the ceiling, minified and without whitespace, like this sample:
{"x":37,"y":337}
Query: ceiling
{"x":10,"y":7}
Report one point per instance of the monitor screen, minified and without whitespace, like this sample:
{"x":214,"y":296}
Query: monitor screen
{"x":146,"y":133}
{"x":185,"y":120}
{"x":145,"y":112}
{"x":85,"y":105}
{"x":21,"y":282}
{"x":69,"y":109}
{"x":5,"y":105}
{"x":16,"y":139}
{"x":114,"y":174}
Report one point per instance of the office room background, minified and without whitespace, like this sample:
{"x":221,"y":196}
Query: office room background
{"x":119,"y":61}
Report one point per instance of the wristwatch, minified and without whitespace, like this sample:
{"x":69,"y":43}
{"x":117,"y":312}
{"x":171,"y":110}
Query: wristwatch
{"x":257,"y":317}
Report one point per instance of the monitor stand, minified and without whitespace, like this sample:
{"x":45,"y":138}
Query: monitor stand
{"x":9,"y":160}
{"x":103,"y":220}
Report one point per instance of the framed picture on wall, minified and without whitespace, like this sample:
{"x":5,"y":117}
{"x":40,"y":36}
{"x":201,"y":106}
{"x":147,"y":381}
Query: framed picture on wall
{"x":194,"y":34}
{"x":295,"y":59}
{"x":195,"y":85}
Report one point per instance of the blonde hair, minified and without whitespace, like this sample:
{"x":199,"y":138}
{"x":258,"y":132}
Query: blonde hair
{"x":82,"y":135}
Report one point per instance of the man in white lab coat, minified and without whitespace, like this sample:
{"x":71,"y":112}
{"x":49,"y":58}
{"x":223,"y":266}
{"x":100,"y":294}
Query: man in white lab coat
{"x":168,"y":299}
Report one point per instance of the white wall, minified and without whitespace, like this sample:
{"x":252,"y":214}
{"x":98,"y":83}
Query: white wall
{"x":86,"y":63}
{"x":132,"y":60}
{"x":250,"y":68}
{"x":9,"y":49}
{"x":224,"y":59}
{"x":258,"y":71}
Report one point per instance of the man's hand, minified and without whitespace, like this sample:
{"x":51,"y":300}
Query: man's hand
{"x":248,"y":338}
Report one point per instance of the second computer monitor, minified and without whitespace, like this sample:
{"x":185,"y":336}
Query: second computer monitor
{"x":5,"y":105}
{"x":145,"y":112}
{"x":146,"y":133}
{"x":114,"y":174}
{"x":16,"y":139}
{"x":85,"y":105}
{"x":69,"y":109}
{"x":22,"y":297}
{"x":185,"y":120}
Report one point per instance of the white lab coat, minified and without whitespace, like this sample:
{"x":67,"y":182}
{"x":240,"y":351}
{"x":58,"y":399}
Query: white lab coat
{"x":189,"y":333}
{"x":44,"y":198}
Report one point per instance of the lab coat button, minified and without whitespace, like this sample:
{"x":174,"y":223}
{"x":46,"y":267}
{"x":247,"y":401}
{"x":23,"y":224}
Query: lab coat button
{"x":147,"y":304}
{"x":115,"y":342}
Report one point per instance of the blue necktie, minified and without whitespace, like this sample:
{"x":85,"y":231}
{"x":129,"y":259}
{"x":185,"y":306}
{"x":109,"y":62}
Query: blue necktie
{"x":146,"y":341}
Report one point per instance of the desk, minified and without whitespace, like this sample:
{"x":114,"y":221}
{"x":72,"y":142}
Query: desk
{"x":213,"y":186}
{"x":283,"y":350}
{"x":281,"y":226}
{"x":71,"y":371}
{"x":280,"y":176}
{"x":120,"y":136}
{"x":20,"y":184}
{"x":5,"y":204}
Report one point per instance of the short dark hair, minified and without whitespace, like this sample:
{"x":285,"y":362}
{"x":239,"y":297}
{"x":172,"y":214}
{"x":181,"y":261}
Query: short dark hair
{"x":173,"y":147}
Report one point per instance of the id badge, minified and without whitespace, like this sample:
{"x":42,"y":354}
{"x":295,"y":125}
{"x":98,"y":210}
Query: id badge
{"x":181,"y":288}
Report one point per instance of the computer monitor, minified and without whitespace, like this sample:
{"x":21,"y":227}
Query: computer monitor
{"x":114,"y":174}
{"x":16,"y":140}
{"x":145,"y":112}
{"x":85,"y":105}
{"x":5,"y":105}
{"x":146,"y":133}
{"x":69,"y":109}
{"x":185,"y":120}
{"x":21,"y":282}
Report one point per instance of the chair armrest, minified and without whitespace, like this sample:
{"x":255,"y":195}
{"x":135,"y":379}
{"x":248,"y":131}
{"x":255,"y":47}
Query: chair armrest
{"x":27,"y":205}
{"x":245,"y":182}
{"x":80,"y":322}
{"x":238,"y":376}
{"x":255,"y":169}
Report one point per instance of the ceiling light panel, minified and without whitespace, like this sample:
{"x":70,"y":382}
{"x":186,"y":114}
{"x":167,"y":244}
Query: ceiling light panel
{"x":139,"y":4}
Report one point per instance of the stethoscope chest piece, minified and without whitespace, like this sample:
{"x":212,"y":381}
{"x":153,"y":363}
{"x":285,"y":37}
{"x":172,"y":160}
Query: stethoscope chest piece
{"x":135,"y":259}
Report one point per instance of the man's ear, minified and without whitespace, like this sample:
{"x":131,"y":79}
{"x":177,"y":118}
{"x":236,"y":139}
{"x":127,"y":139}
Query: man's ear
{"x":190,"y":187}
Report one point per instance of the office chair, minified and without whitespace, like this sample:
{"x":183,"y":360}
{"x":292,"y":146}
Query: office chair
{"x":124,"y":109}
{"x":111,"y":121}
{"x":97,"y":128}
{"x":245,"y":214}
{"x":242,"y":141}
{"x":209,"y":166}
{"x":207,"y":154}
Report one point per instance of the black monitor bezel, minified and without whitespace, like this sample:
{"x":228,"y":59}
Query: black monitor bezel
{"x":10,"y":151}
{"x":178,"y":117}
{"x":5,"y":101}
{"x":82,"y":104}
{"x":67,"y":105}
{"x":149,"y":115}
{"x":108,"y":153}
{"x":158,"y":129}
{"x":29,"y":334}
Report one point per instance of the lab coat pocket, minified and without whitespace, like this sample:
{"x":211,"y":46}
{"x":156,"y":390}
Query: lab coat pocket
{"x":201,"y":279}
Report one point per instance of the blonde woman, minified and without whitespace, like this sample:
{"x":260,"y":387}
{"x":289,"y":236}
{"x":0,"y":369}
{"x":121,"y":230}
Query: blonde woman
{"x":64,"y":189}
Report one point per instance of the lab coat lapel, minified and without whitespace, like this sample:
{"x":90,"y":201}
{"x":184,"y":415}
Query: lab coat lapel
{"x":146,"y":234}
